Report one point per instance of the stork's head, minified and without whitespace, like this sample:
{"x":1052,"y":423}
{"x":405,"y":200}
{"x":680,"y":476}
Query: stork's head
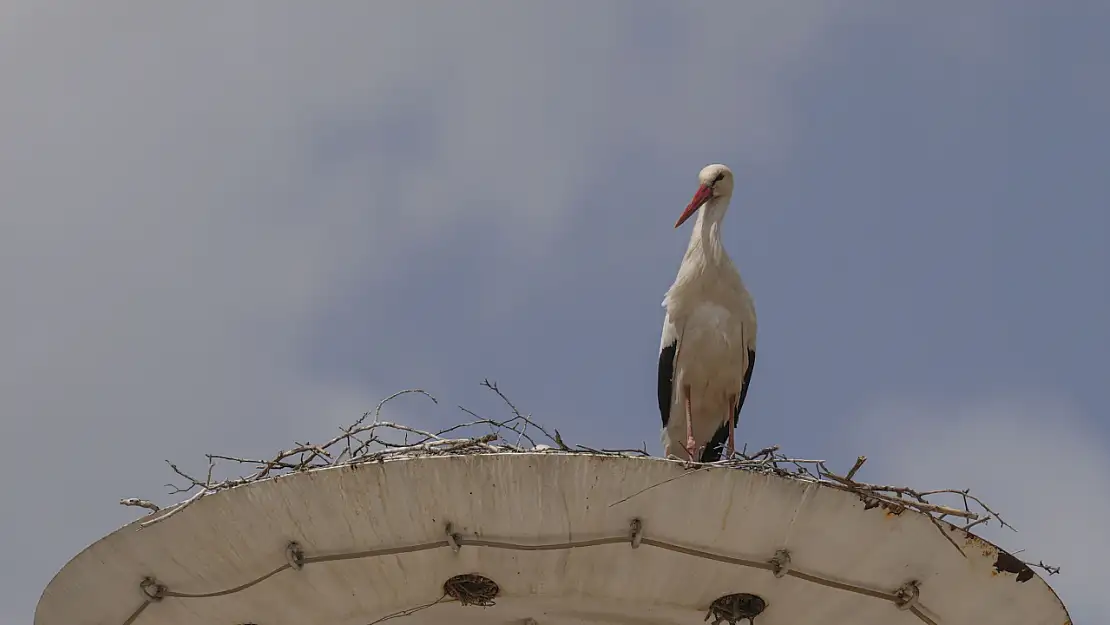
{"x":713,"y":181}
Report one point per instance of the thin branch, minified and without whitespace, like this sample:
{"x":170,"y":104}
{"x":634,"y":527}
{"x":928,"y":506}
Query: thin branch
{"x":1047,"y":568}
{"x":185,"y":504}
{"x":558,"y":440}
{"x":140,"y":503}
{"x":855,"y":467}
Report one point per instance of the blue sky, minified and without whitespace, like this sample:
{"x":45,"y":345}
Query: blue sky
{"x":228,"y":226}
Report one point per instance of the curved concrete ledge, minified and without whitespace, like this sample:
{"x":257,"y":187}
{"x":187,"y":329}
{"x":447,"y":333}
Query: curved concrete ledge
{"x":548,"y":530}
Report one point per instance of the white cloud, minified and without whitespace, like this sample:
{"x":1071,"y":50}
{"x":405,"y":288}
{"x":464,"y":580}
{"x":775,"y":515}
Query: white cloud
{"x":186,"y":185}
{"x":1032,"y":458}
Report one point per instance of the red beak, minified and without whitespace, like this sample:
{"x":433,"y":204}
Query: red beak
{"x":704,"y":193}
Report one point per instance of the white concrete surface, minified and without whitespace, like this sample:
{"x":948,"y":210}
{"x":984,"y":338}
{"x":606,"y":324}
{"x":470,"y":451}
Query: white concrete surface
{"x":230,"y":538}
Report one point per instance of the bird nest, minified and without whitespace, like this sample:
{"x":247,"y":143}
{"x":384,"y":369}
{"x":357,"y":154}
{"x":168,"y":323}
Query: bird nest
{"x":370,"y":440}
{"x":471,"y":589}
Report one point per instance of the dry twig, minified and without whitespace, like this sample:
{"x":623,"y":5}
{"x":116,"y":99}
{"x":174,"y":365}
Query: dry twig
{"x":1047,"y":568}
{"x":140,"y":503}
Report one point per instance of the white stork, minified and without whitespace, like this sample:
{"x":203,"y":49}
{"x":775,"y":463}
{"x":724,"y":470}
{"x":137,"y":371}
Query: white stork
{"x":707,"y":351}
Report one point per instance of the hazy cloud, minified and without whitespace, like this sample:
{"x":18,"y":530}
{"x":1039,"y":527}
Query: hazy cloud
{"x":1031,"y":457}
{"x":189,"y":190}
{"x":185,"y":186}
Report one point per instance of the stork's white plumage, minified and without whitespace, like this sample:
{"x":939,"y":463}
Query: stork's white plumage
{"x":707,"y":351}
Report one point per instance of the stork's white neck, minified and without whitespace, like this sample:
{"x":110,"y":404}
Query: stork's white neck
{"x":705,"y":240}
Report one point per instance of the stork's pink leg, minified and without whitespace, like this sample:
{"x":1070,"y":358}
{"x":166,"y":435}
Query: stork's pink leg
{"x":690,"y":443}
{"x":731,"y":427}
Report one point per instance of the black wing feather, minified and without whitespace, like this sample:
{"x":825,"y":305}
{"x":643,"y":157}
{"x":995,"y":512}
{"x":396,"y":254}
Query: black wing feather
{"x":666,"y":380}
{"x":716,"y":447}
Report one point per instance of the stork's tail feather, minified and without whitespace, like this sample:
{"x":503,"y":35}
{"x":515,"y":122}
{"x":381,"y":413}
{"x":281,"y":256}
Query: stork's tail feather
{"x":715,"y":449}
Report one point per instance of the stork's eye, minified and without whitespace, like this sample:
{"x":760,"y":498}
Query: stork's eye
{"x":719,"y":177}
